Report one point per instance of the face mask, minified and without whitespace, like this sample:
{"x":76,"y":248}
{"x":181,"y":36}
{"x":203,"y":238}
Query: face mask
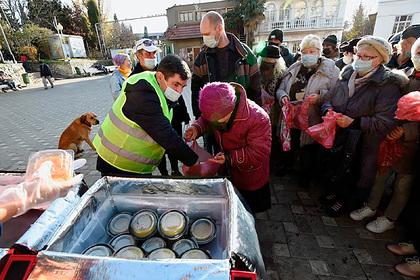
{"x":347,"y":59}
{"x":150,"y":63}
{"x":362,"y":66}
{"x":171,"y":94}
{"x":416,"y":61}
{"x":210,"y":41}
{"x":326,"y":51}
{"x":408,"y":54}
{"x":309,"y":60}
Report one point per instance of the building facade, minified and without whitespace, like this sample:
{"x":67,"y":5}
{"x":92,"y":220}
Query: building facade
{"x":395,"y":15}
{"x":298,"y":18}
{"x":183,"y":34}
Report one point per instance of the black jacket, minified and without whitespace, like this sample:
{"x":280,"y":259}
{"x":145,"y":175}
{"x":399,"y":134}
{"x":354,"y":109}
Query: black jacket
{"x":45,"y":70}
{"x":287,"y":56}
{"x":143,"y":107}
{"x":393,"y":63}
{"x":340,"y":64}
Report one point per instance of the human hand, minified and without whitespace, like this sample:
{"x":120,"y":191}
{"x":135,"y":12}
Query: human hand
{"x":344,"y":121}
{"x":285,"y":99}
{"x":395,"y":134}
{"x":219,"y":158}
{"x":191,"y":133}
{"x":313,"y":98}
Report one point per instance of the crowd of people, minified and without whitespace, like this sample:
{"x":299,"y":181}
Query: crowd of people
{"x":243,"y":102}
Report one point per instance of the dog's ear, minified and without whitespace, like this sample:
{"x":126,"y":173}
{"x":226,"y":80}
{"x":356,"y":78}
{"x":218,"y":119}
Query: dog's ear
{"x":83,"y":119}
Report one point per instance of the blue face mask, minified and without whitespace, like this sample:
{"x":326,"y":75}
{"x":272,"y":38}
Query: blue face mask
{"x":309,"y":60}
{"x":362,"y":66}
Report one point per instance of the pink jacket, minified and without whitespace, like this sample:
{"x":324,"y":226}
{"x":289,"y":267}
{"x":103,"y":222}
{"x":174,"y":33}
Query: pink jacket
{"x":248,"y":143}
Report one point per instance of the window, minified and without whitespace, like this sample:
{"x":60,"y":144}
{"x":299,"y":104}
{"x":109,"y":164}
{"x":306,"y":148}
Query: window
{"x":401,"y":23}
{"x":185,"y":16}
{"x":199,"y":15}
{"x":271,"y":12}
{"x":300,"y":10}
{"x":316,"y":8}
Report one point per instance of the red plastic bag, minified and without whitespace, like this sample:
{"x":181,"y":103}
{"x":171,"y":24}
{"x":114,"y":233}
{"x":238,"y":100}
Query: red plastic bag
{"x":390,"y":153}
{"x":324,"y":133}
{"x":267,"y":101}
{"x":297,"y":114}
{"x":285,"y":138}
{"x":408,"y":107}
{"x":204,"y":168}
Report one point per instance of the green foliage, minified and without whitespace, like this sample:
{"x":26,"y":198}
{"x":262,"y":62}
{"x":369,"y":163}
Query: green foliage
{"x":360,"y":25}
{"x":118,"y":35}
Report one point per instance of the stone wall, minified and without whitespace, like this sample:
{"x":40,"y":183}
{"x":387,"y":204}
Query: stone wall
{"x":14,"y":70}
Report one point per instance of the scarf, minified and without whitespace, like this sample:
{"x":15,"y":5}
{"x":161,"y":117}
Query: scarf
{"x":356,"y":83}
{"x":124,"y":72}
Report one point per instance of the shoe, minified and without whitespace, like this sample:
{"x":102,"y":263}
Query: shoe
{"x":381,"y":224}
{"x":52,"y":86}
{"x":14,"y":89}
{"x":4,"y":90}
{"x":411,"y":267}
{"x":337,"y":209}
{"x":362,"y":213}
{"x":45,"y":88}
{"x":327,"y":199}
{"x":402,"y":249}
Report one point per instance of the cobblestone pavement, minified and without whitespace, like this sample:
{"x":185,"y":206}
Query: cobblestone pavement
{"x":297,"y":240}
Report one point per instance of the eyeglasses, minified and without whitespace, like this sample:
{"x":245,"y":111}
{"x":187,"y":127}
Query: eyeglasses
{"x":365,"y":57}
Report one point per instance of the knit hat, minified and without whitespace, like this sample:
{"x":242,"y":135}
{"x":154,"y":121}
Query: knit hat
{"x":349,"y":46}
{"x":120,"y":58}
{"x":411,"y":31}
{"x":379,"y":44}
{"x":331,"y":39}
{"x":276,"y":34}
{"x":270,"y":51}
{"x":216,"y":100}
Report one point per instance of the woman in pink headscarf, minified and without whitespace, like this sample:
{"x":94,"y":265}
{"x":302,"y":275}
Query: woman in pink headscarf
{"x":123,"y":62}
{"x":243,"y":131}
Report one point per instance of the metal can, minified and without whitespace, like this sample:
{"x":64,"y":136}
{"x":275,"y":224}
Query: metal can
{"x":196,"y":254}
{"x":119,"y":223}
{"x":162,"y":253}
{"x":129,"y":252}
{"x":183,"y":245}
{"x":122,"y":240}
{"x":172,"y":224}
{"x":144,"y":224}
{"x":99,"y":250}
{"x":203,"y":231}
{"x":152,"y":244}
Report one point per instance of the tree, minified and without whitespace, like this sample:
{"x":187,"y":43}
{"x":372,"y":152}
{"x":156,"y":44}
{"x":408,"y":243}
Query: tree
{"x":360,"y":25}
{"x":118,"y":35}
{"x":145,"y":32}
{"x":94,"y":18}
{"x":248,"y":14}
{"x":15,"y":12}
{"x":42,"y":13}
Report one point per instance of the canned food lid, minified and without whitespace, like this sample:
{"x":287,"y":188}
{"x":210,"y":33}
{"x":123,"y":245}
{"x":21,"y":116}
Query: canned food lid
{"x":153,"y":244}
{"x":143,"y":224}
{"x":195,"y":254}
{"x":100,"y":250}
{"x":183,"y":245}
{"x":122,"y":240}
{"x":172,"y":223}
{"x":130,"y":252}
{"x":162,"y":253}
{"x":119,"y":223}
{"x":203,"y":230}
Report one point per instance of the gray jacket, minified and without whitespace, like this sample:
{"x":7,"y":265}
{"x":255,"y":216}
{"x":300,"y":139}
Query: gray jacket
{"x":325,"y":78}
{"x":116,"y":82}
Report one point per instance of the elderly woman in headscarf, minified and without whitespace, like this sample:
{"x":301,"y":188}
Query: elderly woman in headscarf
{"x":366,"y":95}
{"x":123,"y":63}
{"x":309,"y":78}
{"x":272,"y":69}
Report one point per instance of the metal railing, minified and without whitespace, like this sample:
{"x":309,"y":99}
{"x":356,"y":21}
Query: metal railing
{"x":302,"y":24}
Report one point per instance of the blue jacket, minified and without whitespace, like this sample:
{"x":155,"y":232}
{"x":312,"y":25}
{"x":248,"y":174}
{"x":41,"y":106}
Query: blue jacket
{"x":116,"y":82}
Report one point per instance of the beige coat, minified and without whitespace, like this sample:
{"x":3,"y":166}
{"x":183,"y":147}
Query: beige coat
{"x":325,"y":78}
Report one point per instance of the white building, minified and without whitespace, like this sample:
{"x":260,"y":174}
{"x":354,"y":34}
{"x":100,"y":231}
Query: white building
{"x":303,"y":17}
{"x":395,"y":15}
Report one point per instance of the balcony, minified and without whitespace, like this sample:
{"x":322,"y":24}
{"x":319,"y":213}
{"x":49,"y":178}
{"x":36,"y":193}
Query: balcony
{"x":301,"y":24}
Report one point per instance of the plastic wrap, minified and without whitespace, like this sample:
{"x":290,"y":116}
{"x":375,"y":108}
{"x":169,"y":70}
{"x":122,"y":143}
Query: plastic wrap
{"x":324,"y":133}
{"x":408,"y":107}
{"x":81,"y":222}
{"x":204,"y":168}
{"x":297,"y":114}
{"x":285,"y":137}
{"x":390,"y":153}
{"x":267,"y":101}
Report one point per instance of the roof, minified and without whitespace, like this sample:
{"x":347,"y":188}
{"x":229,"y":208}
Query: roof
{"x":183,"y":32}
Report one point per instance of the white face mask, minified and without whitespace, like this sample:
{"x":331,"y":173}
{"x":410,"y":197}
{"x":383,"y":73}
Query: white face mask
{"x":309,"y":60}
{"x":171,"y":94}
{"x":210,"y":41}
{"x":347,"y":59}
{"x":416,"y":61}
{"x":150,"y":63}
{"x":362,"y":66}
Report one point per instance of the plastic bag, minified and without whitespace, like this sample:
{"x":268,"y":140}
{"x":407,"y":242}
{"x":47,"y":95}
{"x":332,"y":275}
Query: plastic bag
{"x":324,"y":133}
{"x":204,"y":168}
{"x":34,"y":190}
{"x":297,"y":114}
{"x":267,"y":101}
{"x":408,"y":107}
{"x":285,"y":137}
{"x":390,"y":153}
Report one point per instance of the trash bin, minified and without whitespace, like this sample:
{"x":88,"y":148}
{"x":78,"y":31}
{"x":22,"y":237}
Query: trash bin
{"x":25,"y":78}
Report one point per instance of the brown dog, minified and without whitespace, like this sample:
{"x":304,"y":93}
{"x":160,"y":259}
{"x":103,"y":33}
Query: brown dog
{"x":78,"y":131}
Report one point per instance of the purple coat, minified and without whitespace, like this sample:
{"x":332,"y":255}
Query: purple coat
{"x":248,"y":144}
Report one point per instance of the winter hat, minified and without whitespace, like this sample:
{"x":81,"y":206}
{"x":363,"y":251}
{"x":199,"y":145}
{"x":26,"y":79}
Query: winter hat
{"x":216,"y":100}
{"x":331,"y":39}
{"x":411,"y":31}
{"x":349,"y":46}
{"x":120,"y":58}
{"x":276,"y":34}
{"x":379,"y":44}
{"x":310,"y":41}
{"x":270,"y":51}
{"x":395,"y":38}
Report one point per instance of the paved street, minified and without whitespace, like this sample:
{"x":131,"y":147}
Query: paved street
{"x":298,"y":241}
